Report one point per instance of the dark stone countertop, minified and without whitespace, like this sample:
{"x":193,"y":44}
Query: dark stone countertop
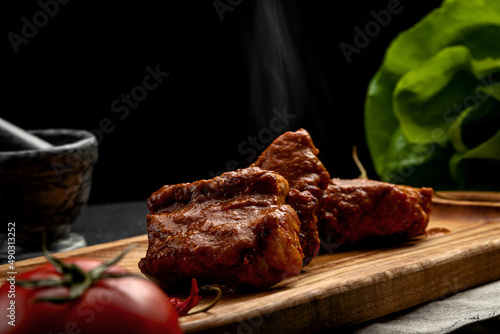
{"x":102,"y":223}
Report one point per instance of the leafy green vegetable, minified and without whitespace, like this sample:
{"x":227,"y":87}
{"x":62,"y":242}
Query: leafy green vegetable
{"x":432,"y":112}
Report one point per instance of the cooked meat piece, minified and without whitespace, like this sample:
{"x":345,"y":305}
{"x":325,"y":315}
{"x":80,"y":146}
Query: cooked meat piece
{"x":234,"y":229}
{"x":352,"y":210}
{"x":306,"y":206}
{"x":348,"y":210}
{"x":254,"y":183}
{"x":294,"y":156}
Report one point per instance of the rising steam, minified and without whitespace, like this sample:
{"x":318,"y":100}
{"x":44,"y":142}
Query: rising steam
{"x":276,"y":77}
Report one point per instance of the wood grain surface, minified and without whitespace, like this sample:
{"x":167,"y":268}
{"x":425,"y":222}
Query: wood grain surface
{"x":351,"y":286}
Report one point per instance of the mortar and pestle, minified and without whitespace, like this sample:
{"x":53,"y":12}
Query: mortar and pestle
{"x":45,"y":181}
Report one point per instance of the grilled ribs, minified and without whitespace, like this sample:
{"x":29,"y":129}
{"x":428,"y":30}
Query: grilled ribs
{"x":258,"y":225}
{"x":354,"y":210}
{"x":294,"y":156}
{"x":348,"y":211}
{"x":234,"y":229}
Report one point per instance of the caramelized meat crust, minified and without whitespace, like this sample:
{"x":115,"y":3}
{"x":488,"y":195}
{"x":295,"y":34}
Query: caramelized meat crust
{"x":352,"y":210}
{"x":251,"y":182}
{"x":233,"y":229}
{"x":256,"y":226}
{"x":306,"y":206}
{"x":294,"y":156}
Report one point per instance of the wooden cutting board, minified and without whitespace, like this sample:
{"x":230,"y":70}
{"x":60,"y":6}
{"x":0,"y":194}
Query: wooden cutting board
{"x":350,"y":287}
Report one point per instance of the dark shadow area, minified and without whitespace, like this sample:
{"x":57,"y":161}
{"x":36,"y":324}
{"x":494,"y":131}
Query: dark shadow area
{"x":170,"y":90}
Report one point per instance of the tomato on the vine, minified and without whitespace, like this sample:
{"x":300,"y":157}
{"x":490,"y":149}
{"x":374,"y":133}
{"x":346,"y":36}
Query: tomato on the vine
{"x":116,"y":302}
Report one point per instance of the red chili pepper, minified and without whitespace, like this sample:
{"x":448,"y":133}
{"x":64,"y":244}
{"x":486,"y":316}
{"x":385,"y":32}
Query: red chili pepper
{"x":183,"y":306}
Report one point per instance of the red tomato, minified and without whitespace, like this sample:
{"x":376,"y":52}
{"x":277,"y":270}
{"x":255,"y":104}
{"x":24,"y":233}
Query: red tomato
{"x":111,"y":305}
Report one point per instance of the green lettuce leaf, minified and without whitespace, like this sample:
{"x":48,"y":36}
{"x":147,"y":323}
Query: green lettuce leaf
{"x":432,"y":110}
{"x":478,"y":167}
{"x":427,"y":94}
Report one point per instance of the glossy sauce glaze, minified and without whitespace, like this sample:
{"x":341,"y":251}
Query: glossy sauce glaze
{"x":233,"y":230}
{"x":436,"y":231}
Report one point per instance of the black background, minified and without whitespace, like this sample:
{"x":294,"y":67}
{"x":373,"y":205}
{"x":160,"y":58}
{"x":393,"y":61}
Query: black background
{"x":190,"y":126}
